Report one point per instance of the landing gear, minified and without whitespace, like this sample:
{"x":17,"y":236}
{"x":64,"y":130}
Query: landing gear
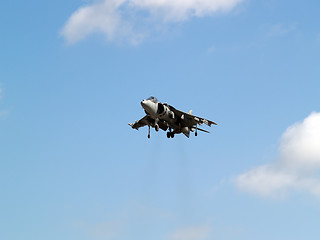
{"x":170,"y":135}
{"x":149,"y":131}
{"x":196,"y":133}
{"x":156,"y":125}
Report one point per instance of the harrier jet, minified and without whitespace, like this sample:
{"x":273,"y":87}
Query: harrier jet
{"x":161,"y":115}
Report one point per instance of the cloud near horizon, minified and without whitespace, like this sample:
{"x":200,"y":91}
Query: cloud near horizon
{"x":198,"y":232}
{"x":297,"y":166}
{"x":120,"y":19}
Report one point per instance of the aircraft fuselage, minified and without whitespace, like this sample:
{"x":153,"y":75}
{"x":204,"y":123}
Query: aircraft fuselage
{"x":159,"y":111}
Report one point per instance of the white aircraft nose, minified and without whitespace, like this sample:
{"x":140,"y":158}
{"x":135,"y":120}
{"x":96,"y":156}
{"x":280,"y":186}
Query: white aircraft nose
{"x":143,"y":103}
{"x":148,"y":106}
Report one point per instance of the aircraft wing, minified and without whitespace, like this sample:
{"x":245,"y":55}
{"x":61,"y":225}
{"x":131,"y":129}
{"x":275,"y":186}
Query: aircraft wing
{"x":147,"y":120}
{"x":191,"y":118}
{"x":141,"y":123}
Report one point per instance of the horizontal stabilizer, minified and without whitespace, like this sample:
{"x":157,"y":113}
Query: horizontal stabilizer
{"x":203,"y":130}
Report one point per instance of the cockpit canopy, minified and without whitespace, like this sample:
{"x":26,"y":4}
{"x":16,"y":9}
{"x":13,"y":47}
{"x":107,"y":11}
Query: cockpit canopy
{"x":153,"y":99}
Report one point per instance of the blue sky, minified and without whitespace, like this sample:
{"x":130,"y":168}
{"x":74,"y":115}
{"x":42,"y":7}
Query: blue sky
{"x":72,"y":77}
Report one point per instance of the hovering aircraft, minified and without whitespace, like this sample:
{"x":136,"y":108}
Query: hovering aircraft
{"x":163,"y":116}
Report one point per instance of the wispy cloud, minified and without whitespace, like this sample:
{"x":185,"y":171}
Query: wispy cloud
{"x":119,"y":19}
{"x":296,"y":167}
{"x":198,"y":232}
{"x":280,"y":29}
{"x":103,"y":230}
{"x":211,"y":49}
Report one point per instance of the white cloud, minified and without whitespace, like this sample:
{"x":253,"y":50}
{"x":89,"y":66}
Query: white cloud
{"x":120,"y":18}
{"x":296,"y":167}
{"x":191,"y":233}
{"x":178,"y":10}
{"x":101,"y":17}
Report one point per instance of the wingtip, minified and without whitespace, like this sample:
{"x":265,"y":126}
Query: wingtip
{"x":214,"y":123}
{"x":132,"y":125}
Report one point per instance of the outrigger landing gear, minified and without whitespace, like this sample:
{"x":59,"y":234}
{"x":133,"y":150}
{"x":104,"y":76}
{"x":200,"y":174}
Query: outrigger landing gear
{"x":196,"y":133}
{"x":149,"y":131}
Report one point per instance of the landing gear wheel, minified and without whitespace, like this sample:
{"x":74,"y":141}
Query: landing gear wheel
{"x":157,"y":127}
{"x":168,"y":134}
{"x":148,"y":135}
{"x":172,"y":135}
{"x":196,"y":134}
